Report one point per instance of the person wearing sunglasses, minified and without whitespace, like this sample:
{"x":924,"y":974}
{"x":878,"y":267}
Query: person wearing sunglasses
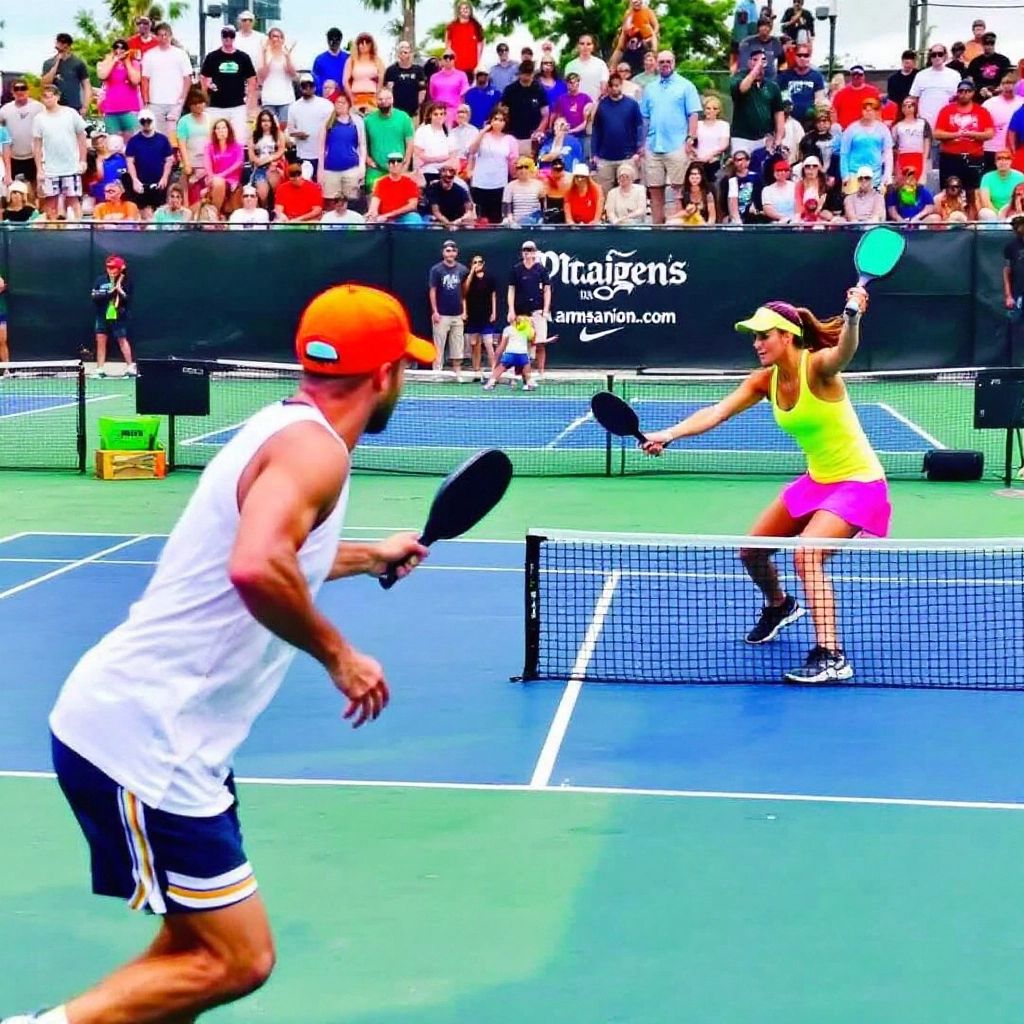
{"x":935,"y":85}
{"x":897,"y":85}
{"x":447,"y":87}
{"x":961,"y":130}
{"x":121,"y":75}
{"x":480,"y":292}
{"x":803,"y":83}
{"x":18,"y":116}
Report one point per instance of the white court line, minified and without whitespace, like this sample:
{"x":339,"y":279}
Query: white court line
{"x":35,"y":581}
{"x":13,"y":536}
{"x":933,"y":441}
{"x":678,"y":794}
{"x":151,"y":561}
{"x":54,"y":408}
{"x":348,"y":529}
{"x":210,"y":433}
{"x":563,"y":434}
{"x":560,"y":723}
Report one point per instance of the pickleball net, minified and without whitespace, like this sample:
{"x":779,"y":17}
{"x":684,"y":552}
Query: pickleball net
{"x":42,"y":415}
{"x":677,"y":609}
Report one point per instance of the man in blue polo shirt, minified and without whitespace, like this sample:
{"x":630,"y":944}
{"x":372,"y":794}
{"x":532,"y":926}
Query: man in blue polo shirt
{"x":670,"y":106}
{"x":481,"y":99}
{"x":329,"y":66}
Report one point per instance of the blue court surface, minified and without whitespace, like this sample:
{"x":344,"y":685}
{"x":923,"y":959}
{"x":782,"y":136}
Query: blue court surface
{"x":532,"y":421}
{"x":26,"y":404}
{"x":451,"y":636}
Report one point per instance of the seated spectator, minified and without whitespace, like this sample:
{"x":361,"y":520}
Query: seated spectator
{"x":481,"y":99}
{"x":912,"y":141}
{"x":206,"y":212}
{"x":1014,"y":209}
{"x":712,"y":136}
{"x":522,"y":201}
{"x":910,"y":202}
{"x":584,"y":203}
{"x":492,"y":161}
{"x":865,"y":206}
{"x":779,"y":198}
{"x":18,"y":209}
{"x":627,"y":201}
{"x":557,"y":183}
{"x":812,"y":185}
{"x":298,"y":200}
{"x":449,"y":200}
{"x":114,"y":206}
{"x":395,"y":196}
{"x":953,"y":203}
{"x":431,"y":146}
{"x":193,"y":131}
{"x":560,"y":142}
{"x":866,"y":143}
{"x":266,"y":151}
{"x":111,"y":164}
{"x":250,"y":214}
{"x":696,"y":192}
{"x":174,"y":211}
{"x":743,"y":191}
{"x":997,"y":187}
{"x":223,"y":160}
{"x":826,"y":140}
{"x":341,"y":214}
{"x":150,"y":161}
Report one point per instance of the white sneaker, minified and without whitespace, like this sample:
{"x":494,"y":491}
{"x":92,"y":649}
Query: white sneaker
{"x":512,"y":383}
{"x":131,"y":370}
{"x":95,"y":375}
{"x":459,"y":378}
{"x":530,"y":386}
{"x":489,"y":386}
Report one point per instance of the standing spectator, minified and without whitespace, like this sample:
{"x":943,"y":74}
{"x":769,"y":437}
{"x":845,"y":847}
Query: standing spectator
{"x":121,"y":75}
{"x":150,"y":161}
{"x":576,"y":107}
{"x":792,"y":129}
{"x":250,"y":214}
{"x":592,"y":70}
{"x":650,"y":73}
{"x":465,"y":38}
{"x":529,"y":295}
{"x":865,"y":206}
{"x":447,"y":87}
{"x":253,"y":44}
{"x":988,"y":68}
{"x":223,"y":159}
{"x":670,"y":107}
{"x":431,"y":146}
{"x":505,"y":72}
{"x":637,"y":36}
{"x":1001,"y":108}
{"x":364,"y":74}
{"x":910,"y":202}
{"x":462,"y":136}
{"x":897,"y":85}
{"x":448,"y":200}
{"x":266,"y":152}
{"x":912,"y":142}
{"x":344,"y":163}
{"x":448,"y":308}
{"x":193,"y":130}
{"x":480,"y":293}
{"x":527,"y":106}
{"x":584,"y":203}
{"x":307,"y":122}
{"x":867,"y":143}
{"x":997,"y":187}
{"x":59,"y":148}
{"x":144,"y":39}
{"x":743,"y":191}
{"x":482,"y":98}
{"x":395,"y":196}
{"x":798,"y":24}
{"x":115,"y":207}
{"x":961,"y":130}
{"x":1015,"y":139}
{"x":763,"y":42}
{"x":329,"y":65}
{"x":627,"y":202}
{"x":744,"y":24}
{"x":779,"y":198}
{"x":297,"y":200}
{"x":229,"y":78}
{"x":407,"y":81}
{"x":112,"y":297}
{"x":67,"y":71}
{"x":492,"y":161}
{"x":629,"y":87}
{"x":522,"y":202}
{"x":388,"y":130}
{"x":756,"y":106}
{"x":553,"y":83}
{"x":934,"y":86}
{"x":618,"y":133}
{"x":848,"y":103}
{"x":174,"y":211}
{"x":803,"y":83}
{"x":166,"y":80}
{"x":976,"y":47}
{"x":277,"y":76}
{"x":957,"y":63}
{"x":5,"y":352}
{"x":1013,"y":284}
{"x":19,"y":210}
{"x":18,"y":117}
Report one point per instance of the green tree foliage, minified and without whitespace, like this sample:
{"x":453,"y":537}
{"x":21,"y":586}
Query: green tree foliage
{"x":404,"y":25}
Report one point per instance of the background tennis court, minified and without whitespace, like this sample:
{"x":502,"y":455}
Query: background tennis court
{"x":717,"y":854}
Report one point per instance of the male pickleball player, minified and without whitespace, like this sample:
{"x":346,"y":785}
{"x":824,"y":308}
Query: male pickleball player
{"x":147,"y":723}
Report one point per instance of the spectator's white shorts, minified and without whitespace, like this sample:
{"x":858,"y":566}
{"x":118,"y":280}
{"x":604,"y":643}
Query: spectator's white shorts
{"x":449,"y":329}
{"x":69,"y":185}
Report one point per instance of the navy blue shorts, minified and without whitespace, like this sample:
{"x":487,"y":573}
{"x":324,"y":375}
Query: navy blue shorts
{"x":515,"y":359}
{"x":487,"y":328}
{"x":159,"y":862}
{"x":116,"y":329}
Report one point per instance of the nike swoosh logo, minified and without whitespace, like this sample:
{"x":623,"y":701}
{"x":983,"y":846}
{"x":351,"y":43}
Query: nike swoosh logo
{"x":585,"y":334}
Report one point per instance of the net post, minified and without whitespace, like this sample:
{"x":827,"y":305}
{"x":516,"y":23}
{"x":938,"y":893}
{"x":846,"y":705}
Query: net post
{"x":81,"y":439}
{"x":531,"y":595}
{"x":610,"y":382}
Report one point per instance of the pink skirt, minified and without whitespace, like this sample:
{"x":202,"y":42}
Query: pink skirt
{"x":864,"y":505}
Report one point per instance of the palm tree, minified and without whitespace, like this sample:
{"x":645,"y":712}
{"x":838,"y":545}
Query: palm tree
{"x":124,"y":12}
{"x":404,"y":26}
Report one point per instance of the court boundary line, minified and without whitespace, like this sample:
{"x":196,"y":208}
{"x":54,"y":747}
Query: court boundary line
{"x":54,"y":408}
{"x":153,"y":562}
{"x":566,"y":431}
{"x":676,"y":794}
{"x":14,"y":536}
{"x":559,"y":727}
{"x":911,"y":425}
{"x":347,"y":529}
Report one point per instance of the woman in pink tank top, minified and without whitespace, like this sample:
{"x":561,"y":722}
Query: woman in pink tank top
{"x":120,"y":74}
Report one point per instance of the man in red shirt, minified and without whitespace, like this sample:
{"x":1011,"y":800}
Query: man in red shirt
{"x":961,"y":129}
{"x":395,"y":196}
{"x":144,"y":40}
{"x":848,"y":103}
{"x":296,"y":200}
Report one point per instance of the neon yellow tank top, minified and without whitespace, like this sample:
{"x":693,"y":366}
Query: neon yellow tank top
{"x":829,"y":434}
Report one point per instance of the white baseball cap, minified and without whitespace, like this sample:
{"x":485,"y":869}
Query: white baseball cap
{"x":247,"y":16}
{"x":866,"y":172}
{"x":580,"y":170}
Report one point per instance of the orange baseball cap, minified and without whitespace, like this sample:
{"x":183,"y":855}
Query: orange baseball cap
{"x":353,"y":328}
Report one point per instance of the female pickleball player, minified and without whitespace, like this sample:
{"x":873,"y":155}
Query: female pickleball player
{"x":844,"y":491}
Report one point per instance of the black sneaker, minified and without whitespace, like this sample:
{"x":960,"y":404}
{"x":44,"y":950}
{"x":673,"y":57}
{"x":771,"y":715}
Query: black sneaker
{"x":773,"y":618}
{"x":821,"y":666}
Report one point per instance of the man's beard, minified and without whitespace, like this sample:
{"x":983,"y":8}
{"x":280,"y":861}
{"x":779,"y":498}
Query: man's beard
{"x":381,"y":414}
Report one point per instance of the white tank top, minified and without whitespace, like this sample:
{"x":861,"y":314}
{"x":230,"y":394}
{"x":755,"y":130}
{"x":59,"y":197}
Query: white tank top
{"x":162,"y":702}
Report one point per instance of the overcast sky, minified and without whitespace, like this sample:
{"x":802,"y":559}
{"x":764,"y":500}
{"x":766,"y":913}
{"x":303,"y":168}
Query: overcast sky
{"x":874,"y":31}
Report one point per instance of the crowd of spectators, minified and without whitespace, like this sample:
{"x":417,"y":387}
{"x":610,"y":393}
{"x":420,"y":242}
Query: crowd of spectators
{"x":250,"y":138}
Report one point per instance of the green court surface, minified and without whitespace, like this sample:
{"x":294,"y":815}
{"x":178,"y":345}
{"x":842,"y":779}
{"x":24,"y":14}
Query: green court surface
{"x":409,"y":897}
